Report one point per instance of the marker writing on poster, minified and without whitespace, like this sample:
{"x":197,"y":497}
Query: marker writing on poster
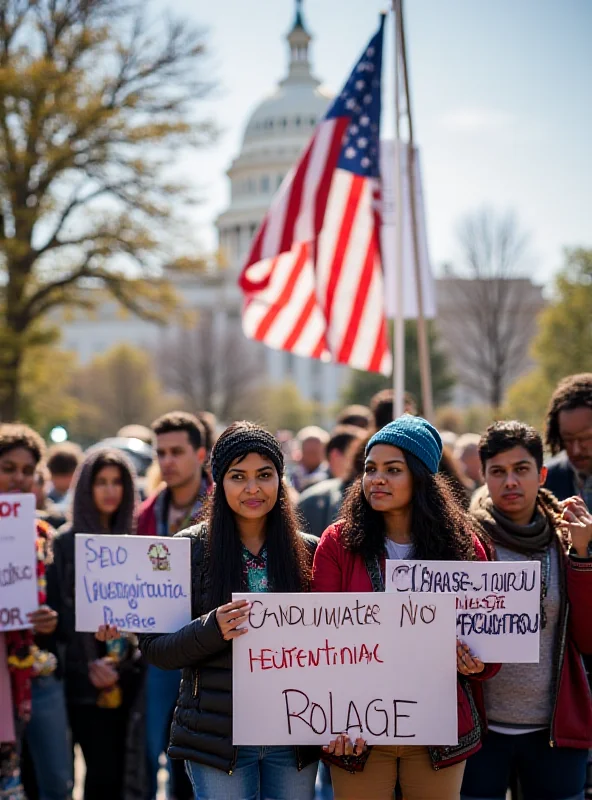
{"x":420,"y":578}
{"x":13,"y":573}
{"x":325,"y":656}
{"x":332,"y":616}
{"x":493,"y":624}
{"x":336,"y":715}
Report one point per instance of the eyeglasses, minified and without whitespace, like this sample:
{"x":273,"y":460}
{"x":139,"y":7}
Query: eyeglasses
{"x":583,"y":440}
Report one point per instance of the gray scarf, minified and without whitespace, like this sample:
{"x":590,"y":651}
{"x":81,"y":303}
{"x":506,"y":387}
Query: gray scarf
{"x":531,"y":538}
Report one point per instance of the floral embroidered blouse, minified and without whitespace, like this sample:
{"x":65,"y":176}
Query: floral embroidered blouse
{"x":255,"y":570}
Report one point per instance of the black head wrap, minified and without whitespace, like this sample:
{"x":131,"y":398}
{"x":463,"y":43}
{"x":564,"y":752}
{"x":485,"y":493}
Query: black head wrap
{"x":240,"y":439}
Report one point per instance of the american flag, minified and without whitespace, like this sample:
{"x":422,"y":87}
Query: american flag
{"x":313,"y":280}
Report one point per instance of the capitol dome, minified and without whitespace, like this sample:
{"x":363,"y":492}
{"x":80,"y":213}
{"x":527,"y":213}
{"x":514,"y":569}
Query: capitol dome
{"x":276,"y":133}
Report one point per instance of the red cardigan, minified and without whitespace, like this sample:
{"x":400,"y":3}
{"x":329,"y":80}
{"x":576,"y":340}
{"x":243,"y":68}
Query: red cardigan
{"x":336,"y":569}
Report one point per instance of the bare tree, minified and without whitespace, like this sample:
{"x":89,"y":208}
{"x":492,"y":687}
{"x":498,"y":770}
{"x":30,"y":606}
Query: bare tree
{"x":210,"y":365}
{"x":487,"y":307}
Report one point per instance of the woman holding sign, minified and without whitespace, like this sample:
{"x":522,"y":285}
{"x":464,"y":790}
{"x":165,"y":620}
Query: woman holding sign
{"x":101,"y":679}
{"x":539,"y":715}
{"x":401,"y":509}
{"x":250,"y":543}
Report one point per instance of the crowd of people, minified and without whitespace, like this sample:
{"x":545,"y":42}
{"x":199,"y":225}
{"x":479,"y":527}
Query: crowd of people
{"x":314,"y":511}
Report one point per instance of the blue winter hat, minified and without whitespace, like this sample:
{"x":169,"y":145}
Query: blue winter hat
{"x":413,"y":434}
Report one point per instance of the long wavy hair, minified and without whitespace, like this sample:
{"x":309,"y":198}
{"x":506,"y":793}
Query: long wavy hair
{"x":440,"y":529}
{"x":288,"y":561}
{"x":85,"y":515}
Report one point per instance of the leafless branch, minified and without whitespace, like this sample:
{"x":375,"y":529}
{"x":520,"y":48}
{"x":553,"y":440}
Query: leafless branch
{"x":488,"y":305}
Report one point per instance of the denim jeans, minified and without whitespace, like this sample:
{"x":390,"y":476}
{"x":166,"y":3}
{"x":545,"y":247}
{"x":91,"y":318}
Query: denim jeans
{"x":162,"y":690}
{"x":48,"y":741}
{"x":260,"y":773}
{"x":323,"y":786}
{"x":545,"y":772}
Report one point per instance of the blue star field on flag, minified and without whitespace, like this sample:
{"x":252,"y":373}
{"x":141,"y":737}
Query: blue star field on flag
{"x":360,"y":100}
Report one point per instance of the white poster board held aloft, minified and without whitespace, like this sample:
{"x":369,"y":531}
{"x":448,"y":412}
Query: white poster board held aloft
{"x":380,"y":666}
{"x":497,"y":602}
{"x":18,"y":561}
{"x":141,"y":584}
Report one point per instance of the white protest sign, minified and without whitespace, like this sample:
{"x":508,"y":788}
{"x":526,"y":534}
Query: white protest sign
{"x":141,"y":584}
{"x":497,"y":602}
{"x":18,"y":561}
{"x":380,"y":666}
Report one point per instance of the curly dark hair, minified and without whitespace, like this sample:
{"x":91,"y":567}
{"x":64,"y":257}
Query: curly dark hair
{"x":15,"y":434}
{"x":504,"y":435}
{"x":441,"y":530}
{"x":288,"y":561}
{"x":575,"y":391}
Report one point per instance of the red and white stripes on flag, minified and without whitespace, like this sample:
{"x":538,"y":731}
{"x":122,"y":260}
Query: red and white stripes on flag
{"x":313,"y":280}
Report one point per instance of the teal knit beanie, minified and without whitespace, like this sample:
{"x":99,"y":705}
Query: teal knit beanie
{"x":413,"y":434}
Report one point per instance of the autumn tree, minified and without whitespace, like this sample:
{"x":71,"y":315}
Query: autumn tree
{"x":563,"y":342}
{"x":487,"y":305}
{"x":96,"y":102}
{"x":117,"y":388}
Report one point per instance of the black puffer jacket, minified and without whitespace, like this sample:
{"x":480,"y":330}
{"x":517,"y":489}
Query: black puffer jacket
{"x":202,"y":723}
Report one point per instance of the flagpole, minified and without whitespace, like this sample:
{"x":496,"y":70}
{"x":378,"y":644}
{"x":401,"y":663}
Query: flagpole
{"x":427,"y":400}
{"x":399,"y":326}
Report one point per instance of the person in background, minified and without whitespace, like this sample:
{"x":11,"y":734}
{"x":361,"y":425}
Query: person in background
{"x":248,"y":542}
{"x":154,"y":483}
{"x":320,"y":504}
{"x":62,"y":461}
{"x":382,"y":406}
{"x":102,"y":681}
{"x":466,"y":451}
{"x":569,"y":438}
{"x":539,"y":715}
{"x":339,"y":449}
{"x":31,"y":689}
{"x":357,"y":415}
{"x":312,"y":467}
{"x":40,"y":481}
{"x":179,"y":440}
{"x":135,"y":431}
{"x":210,"y":424}
{"x":451,"y":469}
{"x":401,"y":508}
{"x":569,"y":472}
{"x":46,"y":510}
{"x":449,"y":439}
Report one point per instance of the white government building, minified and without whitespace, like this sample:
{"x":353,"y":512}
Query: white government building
{"x":275,"y":135}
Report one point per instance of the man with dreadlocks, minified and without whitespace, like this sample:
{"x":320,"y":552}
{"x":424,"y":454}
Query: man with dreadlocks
{"x":539,"y":715}
{"x":569,"y":437}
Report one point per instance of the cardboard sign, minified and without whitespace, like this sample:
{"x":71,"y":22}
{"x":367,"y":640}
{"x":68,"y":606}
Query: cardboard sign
{"x":497,"y":602}
{"x":380,"y":666}
{"x":141,"y":584}
{"x":18,"y":561}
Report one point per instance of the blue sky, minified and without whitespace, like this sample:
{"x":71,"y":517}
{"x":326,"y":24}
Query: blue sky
{"x":502,"y":101}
